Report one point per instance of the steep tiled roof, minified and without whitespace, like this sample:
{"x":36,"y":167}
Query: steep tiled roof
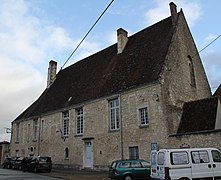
{"x":107,"y":72}
{"x":218,"y":91}
{"x":198,"y":116}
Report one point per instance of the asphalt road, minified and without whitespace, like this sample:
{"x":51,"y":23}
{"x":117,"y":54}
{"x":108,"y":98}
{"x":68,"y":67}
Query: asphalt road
{"x":70,"y":174}
{"x":20,"y":175}
{"x":55,"y":174}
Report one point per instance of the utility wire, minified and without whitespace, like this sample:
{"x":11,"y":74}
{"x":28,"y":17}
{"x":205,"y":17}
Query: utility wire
{"x":207,"y":45}
{"x":87,"y":33}
{"x":202,"y":49}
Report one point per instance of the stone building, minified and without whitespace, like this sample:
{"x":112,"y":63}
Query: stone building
{"x":117,"y":103}
{"x":200,"y":124}
{"x":4,"y":150}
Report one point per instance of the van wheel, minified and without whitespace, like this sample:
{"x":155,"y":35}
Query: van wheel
{"x":184,"y":179}
{"x":128,"y":177}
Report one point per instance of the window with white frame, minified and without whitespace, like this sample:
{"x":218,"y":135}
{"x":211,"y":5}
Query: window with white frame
{"x":35,"y":129}
{"x":65,"y":123}
{"x":79,"y":121}
{"x":133,"y":152}
{"x":143,"y":115}
{"x":114,"y":111}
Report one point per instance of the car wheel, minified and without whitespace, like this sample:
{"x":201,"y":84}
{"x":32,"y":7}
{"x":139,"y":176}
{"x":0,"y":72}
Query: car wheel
{"x":128,"y":177}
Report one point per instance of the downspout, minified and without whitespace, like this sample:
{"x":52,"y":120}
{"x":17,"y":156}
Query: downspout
{"x":121,"y":131}
{"x":39,"y":135}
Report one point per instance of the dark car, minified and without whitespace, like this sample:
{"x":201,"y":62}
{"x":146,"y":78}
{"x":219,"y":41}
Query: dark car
{"x":129,"y":169}
{"x":18,"y":163}
{"x":7,"y":163}
{"x":40,"y":163}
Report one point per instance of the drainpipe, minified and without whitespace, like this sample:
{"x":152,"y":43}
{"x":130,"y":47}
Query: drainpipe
{"x":39,"y":136}
{"x":121,"y":130}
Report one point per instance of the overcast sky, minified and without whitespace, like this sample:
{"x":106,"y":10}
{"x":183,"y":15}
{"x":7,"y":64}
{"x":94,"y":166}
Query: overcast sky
{"x":32,"y":32}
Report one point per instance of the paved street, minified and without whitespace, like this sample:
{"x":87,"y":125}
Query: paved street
{"x":55,"y":174}
{"x":69,"y":174}
{"x":20,"y":175}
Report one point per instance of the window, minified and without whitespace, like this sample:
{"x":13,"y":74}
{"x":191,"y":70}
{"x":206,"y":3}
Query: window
{"x":65,"y":123}
{"x":133,"y":152}
{"x":124,"y":165}
{"x":145,"y":164}
{"x":160,"y":158}
{"x":114,"y":114}
{"x":17,"y":132}
{"x":42,"y":130}
{"x":79,"y":121}
{"x":178,"y":158}
{"x":200,"y":157}
{"x":192,"y":73}
{"x":28,"y":132}
{"x":216,"y":156}
{"x":143,"y":116}
{"x":135,"y":164}
{"x":17,"y":153}
{"x":66,"y":155}
{"x":35,"y":129}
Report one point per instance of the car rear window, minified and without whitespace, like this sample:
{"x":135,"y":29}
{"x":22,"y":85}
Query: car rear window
{"x":160,"y":158}
{"x":113,"y":165}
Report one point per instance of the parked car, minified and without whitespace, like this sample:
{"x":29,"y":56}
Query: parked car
{"x":40,"y":163}
{"x":17,"y":163}
{"x":7,"y":163}
{"x":129,"y":169}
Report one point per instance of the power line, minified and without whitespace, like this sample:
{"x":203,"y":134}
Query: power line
{"x":198,"y":52}
{"x":87,"y":33}
{"x":207,"y":45}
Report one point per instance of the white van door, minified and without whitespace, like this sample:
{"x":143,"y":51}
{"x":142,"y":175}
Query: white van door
{"x":160,"y":169}
{"x":216,"y":165}
{"x":154,"y":164}
{"x":201,"y":164}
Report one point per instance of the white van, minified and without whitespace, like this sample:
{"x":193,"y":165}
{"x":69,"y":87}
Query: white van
{"x":186,"y":164}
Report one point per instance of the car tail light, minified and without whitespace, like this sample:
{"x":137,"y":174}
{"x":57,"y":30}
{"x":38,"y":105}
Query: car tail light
{"x":167,"y":173}
{"x":115,"y":171}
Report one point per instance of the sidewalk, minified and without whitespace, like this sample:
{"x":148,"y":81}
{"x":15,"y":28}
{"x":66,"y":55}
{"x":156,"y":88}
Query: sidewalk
{"x":70,"y":174}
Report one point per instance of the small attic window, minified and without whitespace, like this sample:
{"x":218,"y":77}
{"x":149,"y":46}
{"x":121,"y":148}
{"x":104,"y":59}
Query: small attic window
{"x":192,"y":73}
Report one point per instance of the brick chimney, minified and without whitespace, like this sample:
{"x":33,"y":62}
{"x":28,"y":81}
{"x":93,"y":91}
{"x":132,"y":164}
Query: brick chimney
{"x":121,"y":40}
{"x":52,"y":70}
{"x":173,"y":11}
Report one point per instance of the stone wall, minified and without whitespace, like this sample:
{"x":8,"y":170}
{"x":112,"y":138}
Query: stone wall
{"x":107,"y":145}
{"x":176,"y":79}
{"x":197,"y":140}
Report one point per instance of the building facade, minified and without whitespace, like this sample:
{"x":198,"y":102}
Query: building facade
{"x":118,"y":103}
{"x":4,"y":151}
